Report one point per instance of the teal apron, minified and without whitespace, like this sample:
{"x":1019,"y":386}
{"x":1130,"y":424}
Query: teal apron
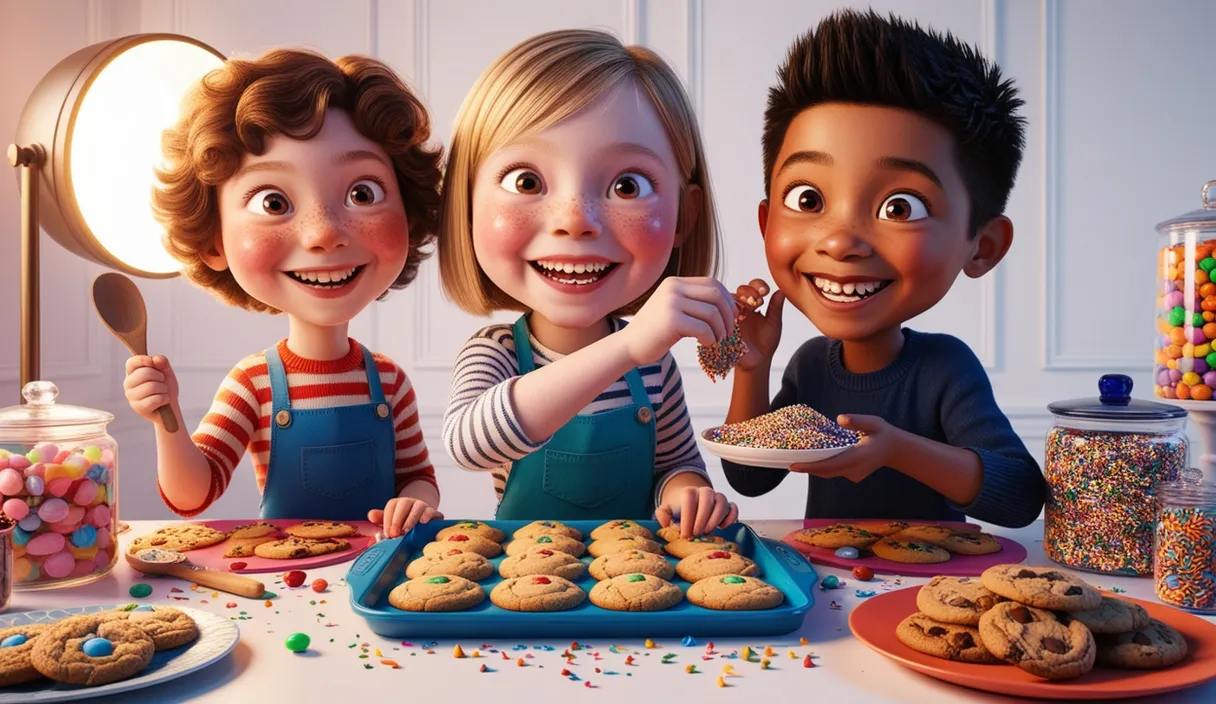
{"x":599,"y":466}
{"x":328,"y":463}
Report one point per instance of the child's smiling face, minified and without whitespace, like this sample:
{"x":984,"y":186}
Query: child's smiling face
{"x":867,"y":219}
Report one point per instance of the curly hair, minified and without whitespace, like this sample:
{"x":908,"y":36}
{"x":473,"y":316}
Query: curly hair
{"x":864,"y":58}
{"x":237,"y":108}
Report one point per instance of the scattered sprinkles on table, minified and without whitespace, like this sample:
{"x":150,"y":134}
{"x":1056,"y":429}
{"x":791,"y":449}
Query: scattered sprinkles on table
{"x":719,"y":358}
{"x":796,"y":427}
{"x":1185,"y":573}
{"x":1100,"y":510}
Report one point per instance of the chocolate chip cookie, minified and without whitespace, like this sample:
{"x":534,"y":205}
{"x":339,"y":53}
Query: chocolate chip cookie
{"x":684,"y":547}
{"x":912,"y":552}
{"x":321,"y":529}
{"x":539,"y":528}
{"x":253,"y":530}
{"x":294,"y":548}
{"x":837,"y":535}
{"x":607,"y":546}
{"x":1037,"y":641}
{"x":967,"y":542}
{"x":468,"y":542}
{"x":879,"y":528}
{"x":556,"y":541}
{"x":615,"y":564}
{"x":950,"y":641}
{"x":635,"y":592}
{"x":166,"y":626}
{"x":1153,"y":647}
{"x":90,"y":650}
{"x":16,"y":644}
{"x":539,"y":559}
{"x":1041,"y":587}
{"x":620,"y":529}
{"x":734,"y":592}
{"x":438,"y":592}
{"x":958,"y":600}
{"x":1113,"y":616}
{"x":485,"y":530}
{"x":183,"y":537}
{"x":710,"y":563}
{"x":537,"y":592}
{"x":469,"y":565}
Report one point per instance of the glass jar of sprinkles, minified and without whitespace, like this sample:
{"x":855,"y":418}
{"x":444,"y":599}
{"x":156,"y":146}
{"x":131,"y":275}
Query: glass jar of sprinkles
{"x":1104,"y":459}
{"x":1184,"y":554}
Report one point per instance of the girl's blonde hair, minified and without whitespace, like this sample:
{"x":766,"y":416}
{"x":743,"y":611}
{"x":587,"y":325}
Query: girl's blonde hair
{"x":533,"y":86}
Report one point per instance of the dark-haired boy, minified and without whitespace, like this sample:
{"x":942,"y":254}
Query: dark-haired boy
{"x":889,"y":154}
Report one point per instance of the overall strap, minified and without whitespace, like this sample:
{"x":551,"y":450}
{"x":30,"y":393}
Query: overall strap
{"x":637,"y":389}
{"x":523,"y":345}
{"x":278,"y":379}
{"x":374,"y":389}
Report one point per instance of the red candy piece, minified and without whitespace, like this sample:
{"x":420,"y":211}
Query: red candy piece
{"x":546,"y":553}
{"x":718,"y":555}
{"x":236,"y":565}
{"x":458,"y":538}
{"x":540,"y":580}
{"x":294,"y":578}
{"x":455,"y":551}
{"x":319,"y":585}
{"x":863,"y":573}
{"x":806,"y":662}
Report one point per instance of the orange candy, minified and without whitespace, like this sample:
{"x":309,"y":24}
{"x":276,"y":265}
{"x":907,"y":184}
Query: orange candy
{"x":1182,"y":391}
{"x":1208,"y":303}
{"x":1178,"y":336}
{"x":1209,"y":331}
{"x":1174,"y":351}
{"x":1201,"y":277}
{"x":1201,"y":392}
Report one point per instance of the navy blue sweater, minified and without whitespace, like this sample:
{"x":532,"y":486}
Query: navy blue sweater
{"x":937,"y":389}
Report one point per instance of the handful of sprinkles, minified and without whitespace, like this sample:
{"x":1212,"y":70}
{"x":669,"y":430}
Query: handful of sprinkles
{"x":719,"y":358}
{"x":797,"y":427}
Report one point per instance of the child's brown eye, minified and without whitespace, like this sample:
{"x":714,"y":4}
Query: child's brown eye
{"x":804,"y":199}
{"x":903,"y":207}
{"x":269,"y":202}
{"x":631,"y":186}
{"x":364,"y":193}
{"x":523,"y":181}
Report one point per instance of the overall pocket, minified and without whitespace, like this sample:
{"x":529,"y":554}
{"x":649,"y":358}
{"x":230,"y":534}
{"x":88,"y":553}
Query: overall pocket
{"x":337,"y":471}
{"x":588,"y":480}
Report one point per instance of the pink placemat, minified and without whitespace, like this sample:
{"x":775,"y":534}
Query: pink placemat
{"x":1011,"y":552}
{"x":213,"y":556}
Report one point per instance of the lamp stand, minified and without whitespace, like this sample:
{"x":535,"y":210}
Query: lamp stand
{"x":28,"y":159}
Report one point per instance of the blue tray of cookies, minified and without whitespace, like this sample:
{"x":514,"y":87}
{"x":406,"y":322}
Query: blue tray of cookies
{"x":382,"y":567}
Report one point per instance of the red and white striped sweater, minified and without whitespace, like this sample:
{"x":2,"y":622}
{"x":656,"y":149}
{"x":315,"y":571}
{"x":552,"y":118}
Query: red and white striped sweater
{"x":239,"y":417}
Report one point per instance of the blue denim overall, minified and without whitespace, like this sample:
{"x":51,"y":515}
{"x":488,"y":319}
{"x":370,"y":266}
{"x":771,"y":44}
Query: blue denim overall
{"x":328,"y":463}
{"x":599,"y":466}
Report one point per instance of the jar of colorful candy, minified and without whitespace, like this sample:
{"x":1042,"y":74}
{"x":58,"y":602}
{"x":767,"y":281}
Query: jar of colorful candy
{"x":1184,"y":565}
{"x":59,"y":482}
{"x":1185,"y":363}
{"x":1104,"y":458}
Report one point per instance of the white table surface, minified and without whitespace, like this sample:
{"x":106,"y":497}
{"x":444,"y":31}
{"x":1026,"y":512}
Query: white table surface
{"x":261,"y":669}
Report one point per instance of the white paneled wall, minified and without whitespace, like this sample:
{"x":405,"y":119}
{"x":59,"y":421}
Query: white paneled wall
{"x":1119,"y":139}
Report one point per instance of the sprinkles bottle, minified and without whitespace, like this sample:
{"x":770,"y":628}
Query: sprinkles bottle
{"x":1104,"y":460}
{"x":1184,"y":564}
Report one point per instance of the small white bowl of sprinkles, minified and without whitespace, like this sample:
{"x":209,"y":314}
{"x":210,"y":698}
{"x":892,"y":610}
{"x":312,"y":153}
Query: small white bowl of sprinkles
{"x":795,"y":434}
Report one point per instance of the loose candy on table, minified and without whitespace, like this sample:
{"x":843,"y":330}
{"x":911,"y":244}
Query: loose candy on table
{"x":796,"y":427}
{"x":863,"y":573}
{"x":830,"y":582}
{"x":294,"y":578}
{"x":1185,"y":574}
{"x":847,"y":553}
{"x":140,"y":590}
{"x":298,"y":642}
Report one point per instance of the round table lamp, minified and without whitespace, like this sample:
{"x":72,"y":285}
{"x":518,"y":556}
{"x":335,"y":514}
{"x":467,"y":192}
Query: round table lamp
{"x":86,"y":146}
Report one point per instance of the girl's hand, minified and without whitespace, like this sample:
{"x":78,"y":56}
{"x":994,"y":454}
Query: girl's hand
{"x":680,"y":307}
{"x":761,"y":331}
{"x":401,"y":514}
{"x":150,"y":383}
{"x":700,"y":510}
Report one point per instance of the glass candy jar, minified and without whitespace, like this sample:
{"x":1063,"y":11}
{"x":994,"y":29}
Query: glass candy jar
{"x":1103,"y":460}
{"x":59,"y":482}
{"x":1183,"y":571}
{"x":1185,"y":361}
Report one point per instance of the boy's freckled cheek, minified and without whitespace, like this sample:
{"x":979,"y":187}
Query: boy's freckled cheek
{"x":383,"y":236}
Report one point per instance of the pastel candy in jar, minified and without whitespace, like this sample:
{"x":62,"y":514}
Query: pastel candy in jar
{"x":58,"y":476}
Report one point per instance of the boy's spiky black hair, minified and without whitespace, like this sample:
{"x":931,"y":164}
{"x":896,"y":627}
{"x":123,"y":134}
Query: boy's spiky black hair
{"x":864,"y":58}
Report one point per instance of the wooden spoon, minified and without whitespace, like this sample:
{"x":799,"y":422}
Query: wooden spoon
{"x":175,"y":564}
{"x":121,"y":308}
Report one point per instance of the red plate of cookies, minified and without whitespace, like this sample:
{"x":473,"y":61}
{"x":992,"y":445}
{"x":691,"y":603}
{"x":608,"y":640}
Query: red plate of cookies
{"x":1125,"y":647}
{"x":271,"y":545}
{"x":903,"y":548}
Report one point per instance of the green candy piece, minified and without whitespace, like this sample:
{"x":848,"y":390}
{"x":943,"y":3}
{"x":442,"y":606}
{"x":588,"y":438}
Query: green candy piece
{"x":438,"y":580}
{"x":1211,"y":359}
{"x":544,"y":539}
{"x":1177,"y":316}
{"x":140,"y":590}
{"x":635,"y":578}
{"x":733,"y":580}
{"x":1207,"y":264}
{"x":1197,"y":320}
{"x":298,"y":642}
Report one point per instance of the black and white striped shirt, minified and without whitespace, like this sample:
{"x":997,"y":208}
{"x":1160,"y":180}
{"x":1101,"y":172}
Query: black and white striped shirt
{"x":482,"y":433}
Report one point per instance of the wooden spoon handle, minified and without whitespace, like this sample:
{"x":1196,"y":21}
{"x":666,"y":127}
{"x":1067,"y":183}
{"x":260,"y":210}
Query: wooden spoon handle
{"x":167,"y":418}
{"x":223,"y":581}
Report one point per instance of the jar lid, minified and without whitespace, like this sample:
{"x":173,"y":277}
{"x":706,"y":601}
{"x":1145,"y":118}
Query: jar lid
{"x":1202,"y":219}
{"x":1115,"y":403}
{"x":41,"y":411}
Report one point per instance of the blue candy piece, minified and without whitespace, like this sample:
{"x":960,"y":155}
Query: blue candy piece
{"x":688,"y":641}
{"x":863,"y":593}
{"x":95,"y":473}
{"x":830,"y":582}
{"x":30,"y":523}
{"x":1172,"y":581}
{"x":847,"y":553}
{"x":84,"y":536}
{"x":12,"y":641}
{"x":97,"y":647}
{"x":20,"y":537}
